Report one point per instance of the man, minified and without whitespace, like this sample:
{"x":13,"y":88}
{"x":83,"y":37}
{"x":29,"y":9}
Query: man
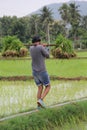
{"x":38,"y":54}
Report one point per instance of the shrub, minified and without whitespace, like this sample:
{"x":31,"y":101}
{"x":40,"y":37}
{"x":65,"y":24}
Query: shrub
{"x":11,"y":43}
{"x":12,"y":47}
{"x":63,"y":48}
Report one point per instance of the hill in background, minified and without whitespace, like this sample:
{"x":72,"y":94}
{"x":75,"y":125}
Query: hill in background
{"x":55,"y":6}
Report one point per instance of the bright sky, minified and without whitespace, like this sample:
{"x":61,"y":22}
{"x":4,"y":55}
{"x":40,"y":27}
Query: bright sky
{"x":21,"y":8}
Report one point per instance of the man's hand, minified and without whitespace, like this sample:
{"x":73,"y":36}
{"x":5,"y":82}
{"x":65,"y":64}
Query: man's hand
{"x":44,"y":45}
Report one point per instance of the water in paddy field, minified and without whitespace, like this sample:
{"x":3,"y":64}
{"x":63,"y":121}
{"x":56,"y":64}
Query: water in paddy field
{"x":19,"y":96}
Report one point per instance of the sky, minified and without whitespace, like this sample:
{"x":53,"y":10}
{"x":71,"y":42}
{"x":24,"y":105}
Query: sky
{"x":22,"y":8}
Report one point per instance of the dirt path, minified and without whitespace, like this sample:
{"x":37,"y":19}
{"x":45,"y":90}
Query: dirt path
{"x":35,"y":110}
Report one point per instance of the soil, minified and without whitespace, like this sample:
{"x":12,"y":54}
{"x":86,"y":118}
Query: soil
{"x":25,"y":78}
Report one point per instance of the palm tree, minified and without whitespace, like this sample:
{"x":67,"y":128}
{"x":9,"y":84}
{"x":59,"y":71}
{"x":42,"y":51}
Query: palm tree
{"x":33,"y":24}
{"x":84,"y":22}
{"x":83,"y":31}
{"x":46,"y":19}
{"x":64,"y":12}
{"x":74,"y":19}
{"x":56,"y":28}
{"x":74,"y":15}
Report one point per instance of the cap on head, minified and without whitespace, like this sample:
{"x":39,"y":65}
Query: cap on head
{"x":36,"y":39}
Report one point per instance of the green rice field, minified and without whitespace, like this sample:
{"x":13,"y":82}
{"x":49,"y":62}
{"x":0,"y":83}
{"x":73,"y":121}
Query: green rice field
{"x":20,"y":96}
{"x":55,"y":67}
{"x":81,"y":53}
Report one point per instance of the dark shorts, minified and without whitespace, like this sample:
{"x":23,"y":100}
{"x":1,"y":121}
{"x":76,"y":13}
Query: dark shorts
{"x":41,"y":78}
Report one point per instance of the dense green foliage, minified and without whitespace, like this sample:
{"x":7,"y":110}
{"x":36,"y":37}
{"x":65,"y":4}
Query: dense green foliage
{"x":64,"y":48}
{"x":11,"y":43}
{"x":64,"y":44}
{"x":72,"y":25}
{"x":48,"y":119}
{"x":12,"y":46}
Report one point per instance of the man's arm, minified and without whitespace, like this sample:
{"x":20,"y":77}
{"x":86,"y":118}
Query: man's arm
{"x":45,"y":53}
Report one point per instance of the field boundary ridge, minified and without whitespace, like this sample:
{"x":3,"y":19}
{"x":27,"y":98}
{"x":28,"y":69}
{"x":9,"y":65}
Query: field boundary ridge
{"x":51,"y":106}
{"x":25,"y":78}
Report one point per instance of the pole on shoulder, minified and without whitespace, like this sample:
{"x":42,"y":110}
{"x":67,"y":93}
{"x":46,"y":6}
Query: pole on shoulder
{"x":28,"y":45}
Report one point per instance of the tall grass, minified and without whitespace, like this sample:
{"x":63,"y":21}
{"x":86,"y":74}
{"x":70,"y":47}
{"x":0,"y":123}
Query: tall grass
{"x":63,"y":68}
{"x":67,"y":117}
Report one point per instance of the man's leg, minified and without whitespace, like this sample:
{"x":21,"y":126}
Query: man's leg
{"x":39,"y":92}
{"x":46,"y":90}
{"x":44,"y":93}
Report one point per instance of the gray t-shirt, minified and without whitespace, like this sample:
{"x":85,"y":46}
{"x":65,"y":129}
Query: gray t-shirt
{"x":38,"y":54}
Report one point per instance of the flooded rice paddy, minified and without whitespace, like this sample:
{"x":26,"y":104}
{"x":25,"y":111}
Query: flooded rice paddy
{"x":19,"y":96}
